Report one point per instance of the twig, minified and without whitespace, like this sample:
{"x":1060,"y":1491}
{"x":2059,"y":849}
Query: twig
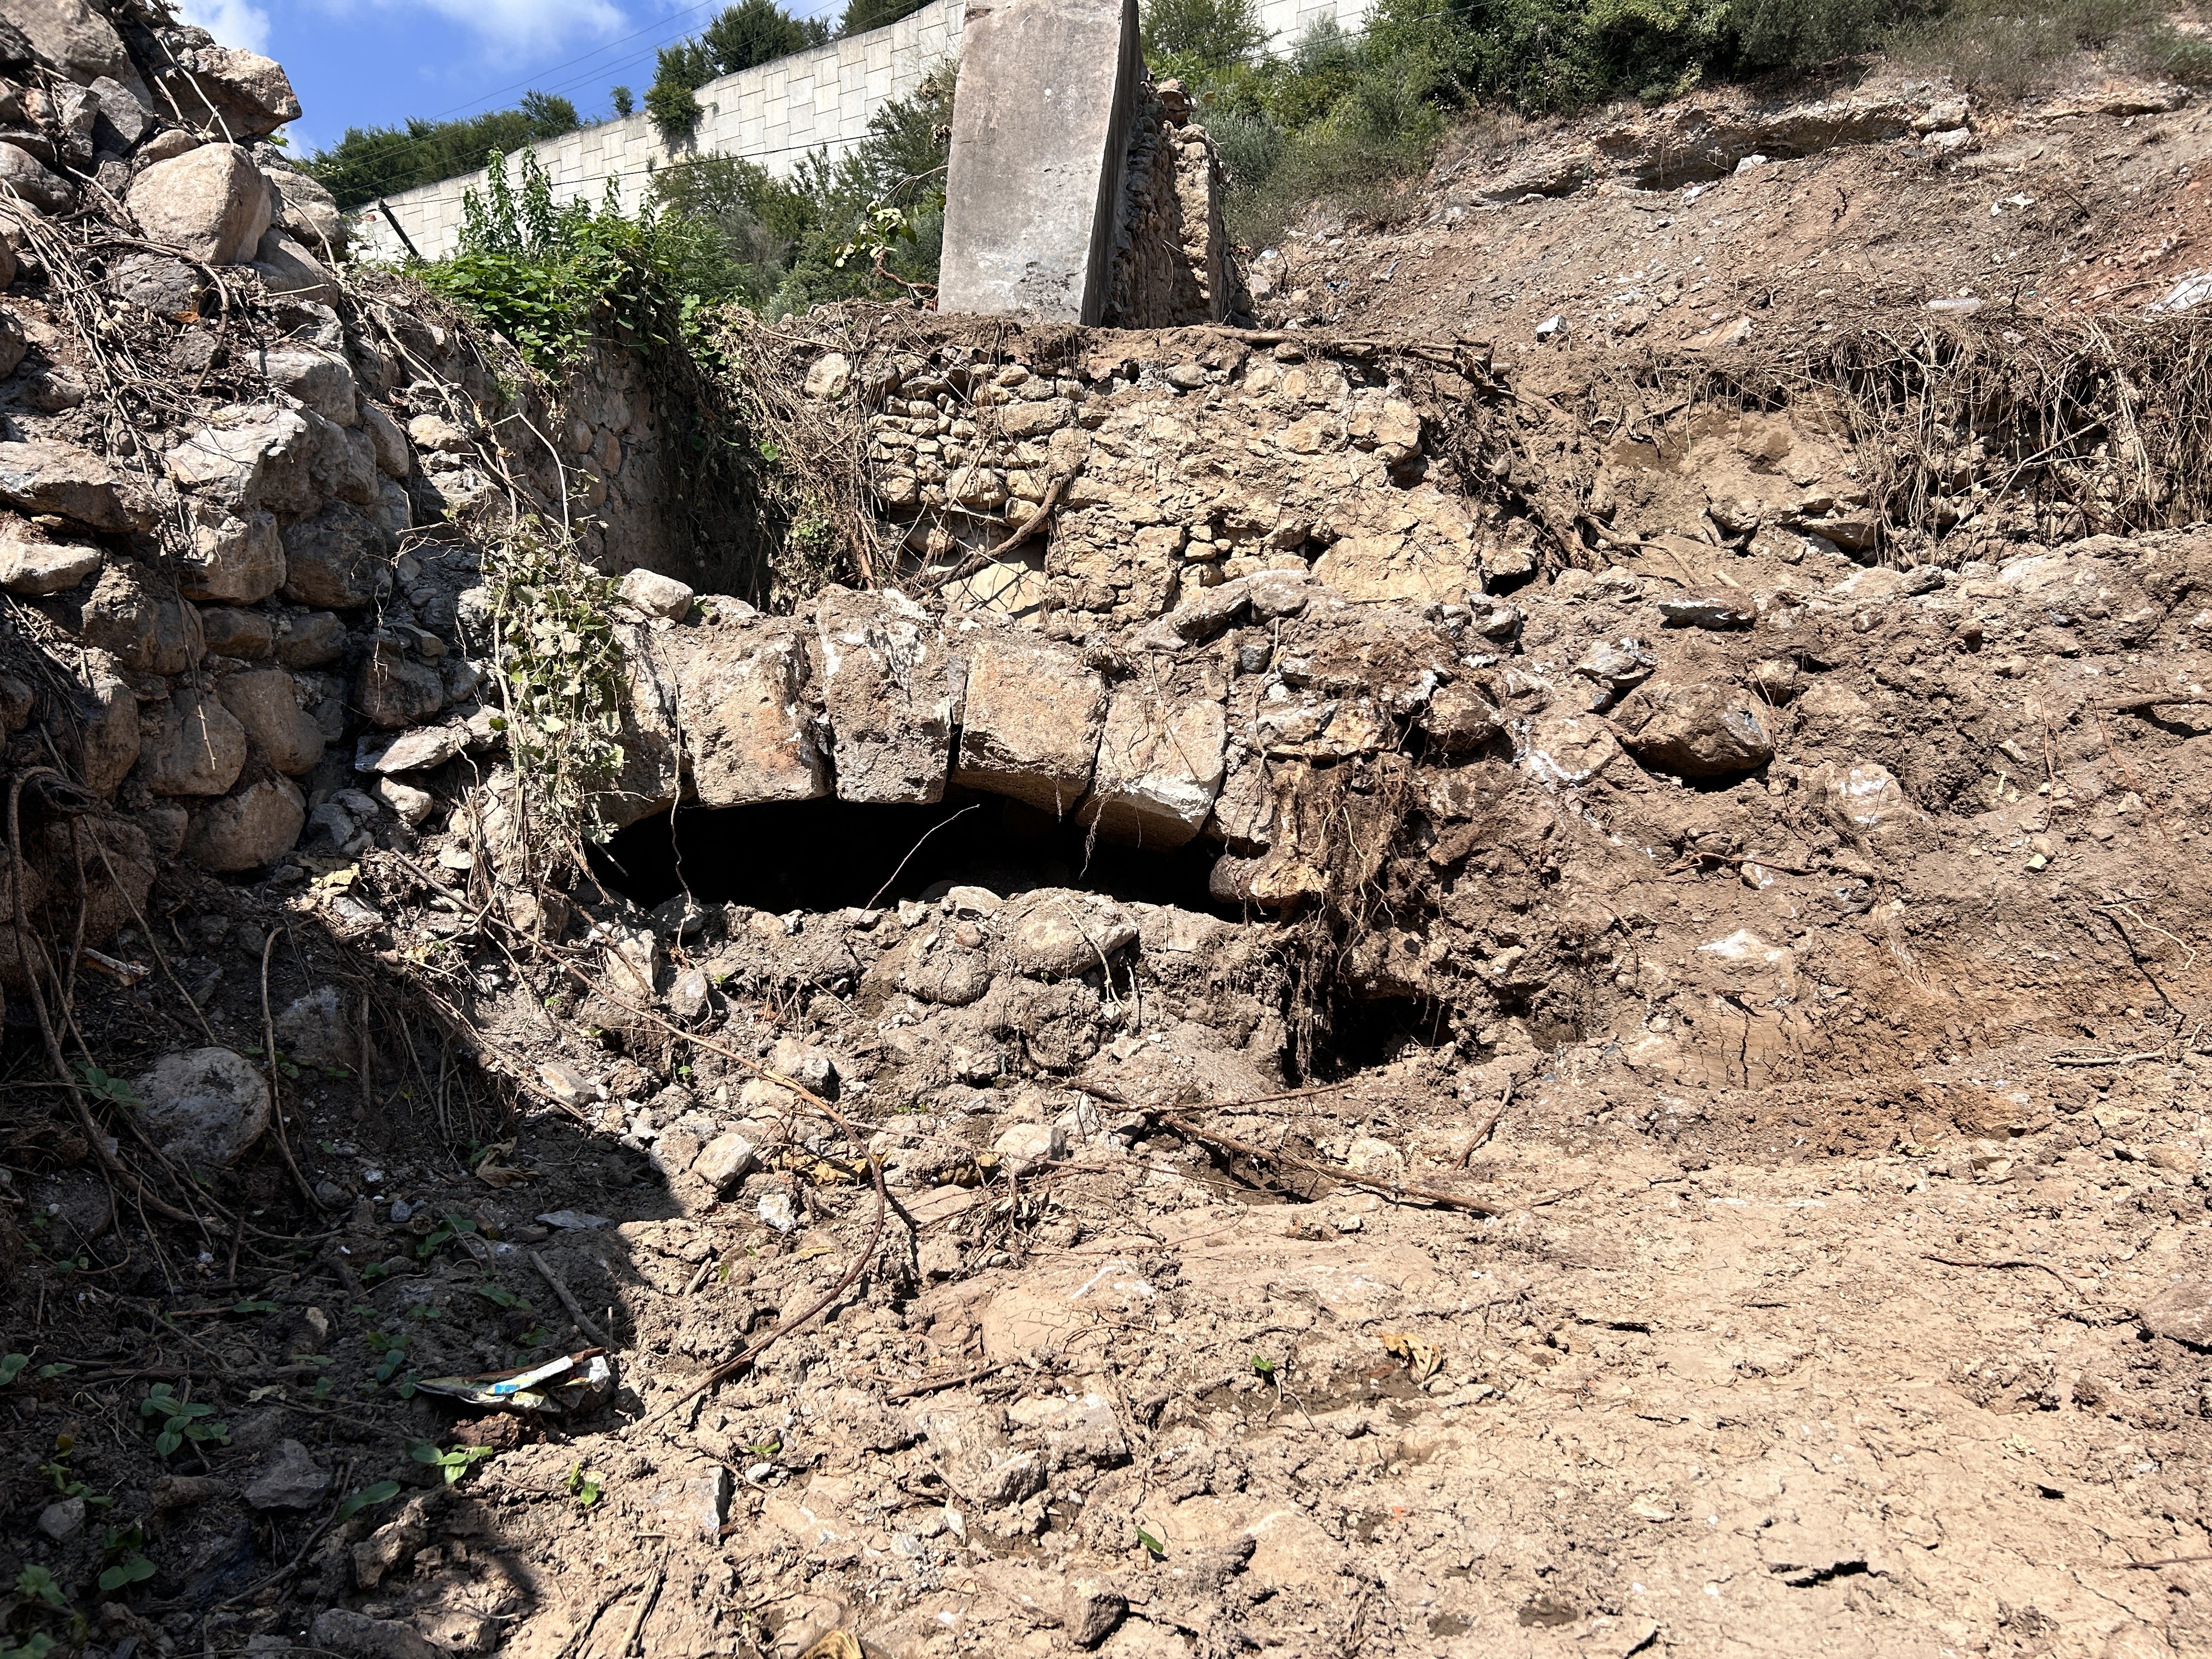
{"x":1333,"y":1172}
{"x":2001,"y":1261}
{"x":1480,"y":1138}
{"x":939,"y":1384}
{"x":912,"y":850}
{"x":567,"y":1301}
{"x":276,"y":1092}
{"x":644,"y":1608}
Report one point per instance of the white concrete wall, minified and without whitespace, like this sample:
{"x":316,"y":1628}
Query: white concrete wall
{"x":774,"y":115}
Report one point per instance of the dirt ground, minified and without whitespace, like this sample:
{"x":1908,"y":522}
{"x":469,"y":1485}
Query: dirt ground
{"x":1759,"y":1208}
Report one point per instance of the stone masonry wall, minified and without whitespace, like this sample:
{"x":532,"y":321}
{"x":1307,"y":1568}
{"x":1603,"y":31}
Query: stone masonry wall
{"x":1172,"y":261}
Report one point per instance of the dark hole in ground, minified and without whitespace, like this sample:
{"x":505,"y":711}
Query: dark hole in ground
{"x":824,"y":854}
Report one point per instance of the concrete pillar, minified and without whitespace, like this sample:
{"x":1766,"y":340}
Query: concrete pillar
{"x":1040,"y":129}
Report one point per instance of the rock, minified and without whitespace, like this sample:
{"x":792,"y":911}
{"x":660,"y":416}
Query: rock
{"x":108,"y":734}
{"x":306,"y":212}
{"x":14,"y":343}
{"x":748,"y":731}
{"x":311,"y":640}
{"x":35,"y":181}
{"x":391,"y":690}
{"x":240,"y":93}
{"x":395,"y":458}
{"x":415,"y":751}
{"x":287,"y":266}
{"x":437,"y":435}
{"x":266,"y":703}
{"x":570,"y":1087}
{"x":1025,"y":1145}
{"x":313,"y":1030}
{"x":238,"y":561}
{"x":357,"y":1636}
{"x":830,"y":376}
{"x":727,"y":1160}
{"x":1715,"y":611}
{"x":1459,"y":718}
{"x":1091,"y":1611}
{"x":2182,"y":1311}
{"x":289,"y":1479}
{"x":778,"y":1213}
{"x":1032,"y":721}
{"x":1696,"y":730}
{"x":394,"y":1544}
{"x":46,"y":476}
{"x":146,"y":631}
{"x":1160,"y":765}
{"x":886,"y":681}
{"x":411,"y":805}
{"x":122,"y":118}
{"x":64,"y":1521}
{"x":205,"y":1106}
{"x":248,"y":828}
{"x":209,"y":203}
{"x":247,"y":456}
{"x":198,"y":749}
{"x":1867,"y":798}
{"x":1618,"y":663}
{"x":73,"y":36}
{"x":1055,"y":933}
{"x":30,"y":565}
{"x":321,"y":382}
{"x":233,"y":632}
{"x":656,"y":595}
{"x":337,"y":559}
{"x":689,"y":997}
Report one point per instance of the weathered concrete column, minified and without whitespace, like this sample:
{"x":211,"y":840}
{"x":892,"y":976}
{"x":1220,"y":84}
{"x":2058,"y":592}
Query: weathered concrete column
{"x":1039,"y":133}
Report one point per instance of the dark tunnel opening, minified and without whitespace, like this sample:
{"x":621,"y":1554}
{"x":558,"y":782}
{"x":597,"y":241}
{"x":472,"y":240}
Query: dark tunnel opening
{"x":822,"y":855}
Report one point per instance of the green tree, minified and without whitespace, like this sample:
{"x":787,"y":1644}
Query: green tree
{"x":372,"y":162}
{"x":861,"y":15}
{"x":622,"y":99}
{"x":741,"y":37}
{"x":1188,"y":35}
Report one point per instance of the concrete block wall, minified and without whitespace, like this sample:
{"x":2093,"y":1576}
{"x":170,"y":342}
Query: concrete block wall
{"x":774,"y":115}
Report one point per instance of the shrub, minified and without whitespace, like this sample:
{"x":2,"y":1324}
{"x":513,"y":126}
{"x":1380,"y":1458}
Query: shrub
{"x":624,"y":101}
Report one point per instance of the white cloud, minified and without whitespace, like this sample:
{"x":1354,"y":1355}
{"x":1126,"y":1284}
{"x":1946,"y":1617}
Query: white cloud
{"x":233,"y":22}
{"x":518,"y":26}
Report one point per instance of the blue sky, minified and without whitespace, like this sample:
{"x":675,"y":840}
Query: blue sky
{"x":374,"y":62}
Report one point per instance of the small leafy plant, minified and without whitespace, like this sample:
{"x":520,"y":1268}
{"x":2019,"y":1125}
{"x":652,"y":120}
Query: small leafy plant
{"x":455,"y":1462}
{"x":584,"y":1485}
{"x":181,"y":1421}
{"x":382,"y":1492}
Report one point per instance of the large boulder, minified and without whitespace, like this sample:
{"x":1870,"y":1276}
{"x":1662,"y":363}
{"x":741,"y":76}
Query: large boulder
{"x":206,"y":1106}
{"x":35,"y":181}
{"x":265,"y":702}
{"x":1033,"y":716}
{"x":46,"y":476}
{"x":748,"y":723}
{"x":335,"y":560}
{"x":233,"y":560}
{"x":318,"y":379}
{"x":248,"y":828}
{"x":287,"y":266}
{"x":210,"y":204}
{"x":240,"y":93}
{"x":107,"y":727}
{"x":247,"y":456}
{"x":1160,"y":764}
{"x":307,"y":212}
{"x":167,"y":286}
{"x":150,"y":631}
{"x":30,"y":564}
{"x":198,"y":749}
{"x":75,"y":38}
{"x":392,"y":690}
{"x":886,"y":682}
{"x":1698,"y":730}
